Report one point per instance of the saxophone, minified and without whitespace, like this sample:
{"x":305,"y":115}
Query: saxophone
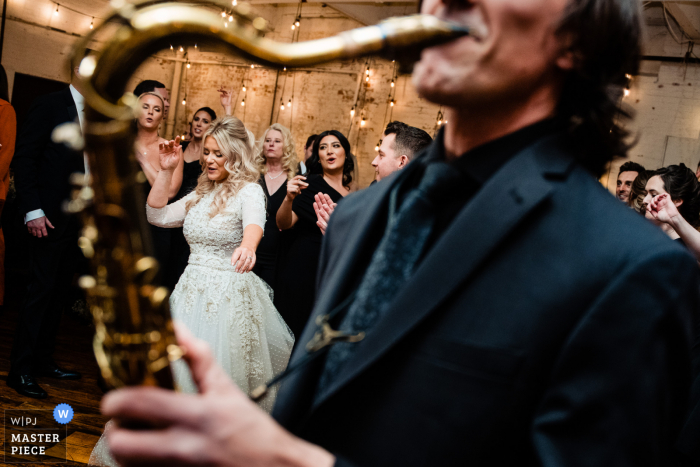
{"x":134,"y":341}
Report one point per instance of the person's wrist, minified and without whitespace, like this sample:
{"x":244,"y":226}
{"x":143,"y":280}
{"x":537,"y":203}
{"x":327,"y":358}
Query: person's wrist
{"x":295,"y":452}
{"x":676,"y":220}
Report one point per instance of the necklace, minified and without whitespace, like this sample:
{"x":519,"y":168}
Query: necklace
{"x":272,"y":178}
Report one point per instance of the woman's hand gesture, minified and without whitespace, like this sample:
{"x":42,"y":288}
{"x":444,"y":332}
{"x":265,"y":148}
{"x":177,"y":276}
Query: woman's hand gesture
{"x":295,"y":185}
{"x":225,"y":96}
{"x":170,"y":153}
{"x":243,"y":259}
{"x":324,"y":207}
{"x":662,"y":208}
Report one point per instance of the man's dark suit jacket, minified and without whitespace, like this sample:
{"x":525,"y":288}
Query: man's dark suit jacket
{"x":42,"y":167}
{"x":548,"y":325}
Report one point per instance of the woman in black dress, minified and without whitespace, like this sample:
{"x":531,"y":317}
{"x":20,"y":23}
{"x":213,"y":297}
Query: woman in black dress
{"x":191,"y":151}
{"x":279,"y":164}
{"x":299,"y":263}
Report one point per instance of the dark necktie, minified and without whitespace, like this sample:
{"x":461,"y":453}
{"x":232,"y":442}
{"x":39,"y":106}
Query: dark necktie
{"x":394,"y":260}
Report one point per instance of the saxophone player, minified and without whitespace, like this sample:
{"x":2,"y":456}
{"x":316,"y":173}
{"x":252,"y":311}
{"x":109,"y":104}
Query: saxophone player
{"x":495,"y":303}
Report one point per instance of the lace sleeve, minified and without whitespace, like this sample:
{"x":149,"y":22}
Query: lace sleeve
{"x":253,"y":205}
{"x":172,"y":215}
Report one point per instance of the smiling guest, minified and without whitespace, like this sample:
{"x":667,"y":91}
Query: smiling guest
{"x":400,"y":143}
{"x":625,"y":178}
{"x":151,"y":113}
{"x":278,"y":163}
{"x":298,"y":264}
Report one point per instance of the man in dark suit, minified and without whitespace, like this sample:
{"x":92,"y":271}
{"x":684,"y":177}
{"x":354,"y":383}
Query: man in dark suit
{"x":500,"y":308}
{"x":42,"y":175}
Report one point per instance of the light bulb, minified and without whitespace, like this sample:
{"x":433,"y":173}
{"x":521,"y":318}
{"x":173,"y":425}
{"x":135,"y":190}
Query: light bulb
{"x":628,"y":76}
{"x":91,"y":23}
{"x":376,"y":148}
{"x":352,"y":112}
{"x":367,"y":79}
{"x":293,"y":27}
{"x":195,"y":46}
{"x":184,"y":101}
{"x":234,"y":2}
{"x":225,"y":24}
{"x":243,"y":103}
{"x":392,"y":102}
{"x":243,"y":89}
{"x":439,"y":122}
{"x":290,"y":103}
{"x":367,"y":71}
{"x":627,"y":92}
{"x":296,"y":23}
{"x":181,"y":49}
{"x":282,"y":107}
{"x":188,"y":65}
{"x":362,"y":123}
{"x":171,"y":47}
{"x":55,"y":13}
{"x":230,"y":18}
{"x":284,"y":69}
{"x":183,"y":136}
{"x":392,"y":83}
{"x":252,"y":66}
{"x":223,"y":14}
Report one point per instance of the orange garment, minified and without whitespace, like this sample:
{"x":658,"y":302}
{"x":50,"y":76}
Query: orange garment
{"x":8,"y":134}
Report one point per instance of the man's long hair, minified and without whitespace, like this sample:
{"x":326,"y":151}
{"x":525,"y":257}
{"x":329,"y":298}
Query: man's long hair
{"x":606,"y":40}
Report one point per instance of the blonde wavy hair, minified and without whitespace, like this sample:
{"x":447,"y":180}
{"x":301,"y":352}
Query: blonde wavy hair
{"x":242,"y":164}
{"x":289,"y":156}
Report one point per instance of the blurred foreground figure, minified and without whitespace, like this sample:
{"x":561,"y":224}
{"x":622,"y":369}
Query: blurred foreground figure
{"x":504,"y":296}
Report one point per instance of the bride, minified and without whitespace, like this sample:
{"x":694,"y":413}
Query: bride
{"x":217,"y":297}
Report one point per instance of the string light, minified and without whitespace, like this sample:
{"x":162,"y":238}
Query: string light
{"x":290,"y":102}
{"x":225,"y":24}
{"x":297,"y":23}
{"x":252,"y":66}
{"x":627,"y":92}
{"x":367,"y":79}
{"x":628,"y":76}
{"x":230,"y":18}
{"x":195,"y":45}
{"x":184,"y":100}
{"x":284,"y":69}
{"x":352,"y":111}
{"x":91,"y":22}
{"x":281,"y":104}
{"x":376,"y":148}
{"x":171,"y":47}
{"x":243,"y":88}
{"x":188,"y":65}
{"x":293,"y":27}
{"x":182,"y":49}
{"x":362,"y":123}
{"x":234,"y":2}
{"x":392,"y":83}
{"x":392,"y":103}
{"x":439,"y":118}
{"x":367,"y":71}
{"x":55,"y":13}
{"x":223,"y":14}
{"x":243,"y":103}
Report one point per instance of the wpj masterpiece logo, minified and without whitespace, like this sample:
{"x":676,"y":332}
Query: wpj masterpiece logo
{"x":36,"y":436}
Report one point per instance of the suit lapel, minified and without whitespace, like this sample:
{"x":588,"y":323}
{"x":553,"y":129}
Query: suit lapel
{"x":339,"y":278}
{"x":502,"y":203}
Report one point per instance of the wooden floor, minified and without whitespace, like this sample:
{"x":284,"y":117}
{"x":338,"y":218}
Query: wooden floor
{"x":73,"y":351}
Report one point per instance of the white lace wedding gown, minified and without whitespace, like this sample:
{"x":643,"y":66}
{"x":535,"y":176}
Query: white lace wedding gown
{"x":232,"y":312}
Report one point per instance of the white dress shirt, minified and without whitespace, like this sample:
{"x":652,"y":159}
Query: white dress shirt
{"x":80,"y":105}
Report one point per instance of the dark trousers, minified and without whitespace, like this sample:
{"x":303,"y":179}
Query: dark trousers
{"x":54,"y":261}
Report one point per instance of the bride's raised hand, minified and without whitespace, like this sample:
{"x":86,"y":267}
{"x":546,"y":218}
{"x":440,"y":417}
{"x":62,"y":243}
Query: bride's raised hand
{"x":170,"y":153}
